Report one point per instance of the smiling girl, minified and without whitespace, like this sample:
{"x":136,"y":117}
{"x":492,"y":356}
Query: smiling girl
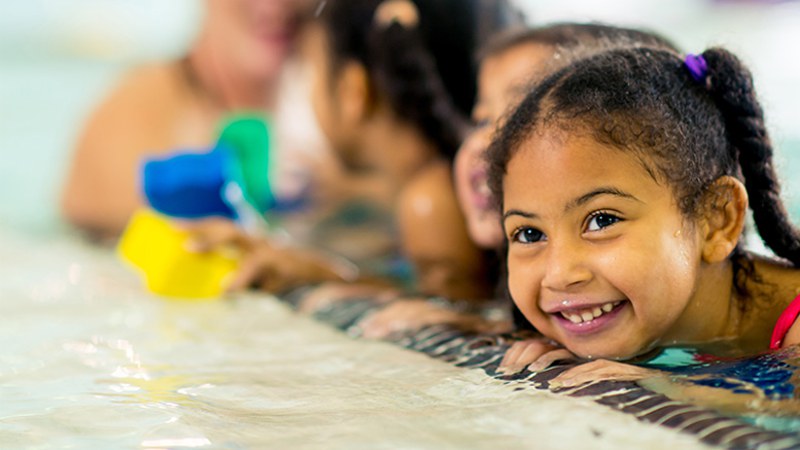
{"x":624,"y":180}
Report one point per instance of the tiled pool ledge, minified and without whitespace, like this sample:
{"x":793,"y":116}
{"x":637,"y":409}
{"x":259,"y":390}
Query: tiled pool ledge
{"x":484,"y":352}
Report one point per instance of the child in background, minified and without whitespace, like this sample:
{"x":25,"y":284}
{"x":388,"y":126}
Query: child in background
{"x":393,"y":81}
{"x":508,"y":64}
{"x":623,"y":181}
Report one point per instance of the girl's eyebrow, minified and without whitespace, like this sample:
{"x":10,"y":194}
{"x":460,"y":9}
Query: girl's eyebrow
{"x":583,"y":199}
{"x":605,"y":190}
{"x":518,"y":212}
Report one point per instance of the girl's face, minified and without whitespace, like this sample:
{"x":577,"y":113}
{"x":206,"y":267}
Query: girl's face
{"x":325,"y":99}
{"x":600,"y":258}
{"x":499,"y":78}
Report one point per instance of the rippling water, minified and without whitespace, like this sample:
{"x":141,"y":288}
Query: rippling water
{"x":89,"y":360}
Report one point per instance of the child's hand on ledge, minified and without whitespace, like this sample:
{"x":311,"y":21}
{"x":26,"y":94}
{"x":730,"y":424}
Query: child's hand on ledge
{"x":330,"y":293}
{"x":602,"y":369}
{"x":535,"y":353}
{"x":415,"y":313}
{"x":265,"y":264}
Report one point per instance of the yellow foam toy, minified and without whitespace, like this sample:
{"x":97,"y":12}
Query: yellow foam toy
{"x":157,"y":249}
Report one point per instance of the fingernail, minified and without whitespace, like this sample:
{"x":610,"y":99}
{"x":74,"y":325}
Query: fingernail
{"x":509,"y":369}
{"x":537,"y":366}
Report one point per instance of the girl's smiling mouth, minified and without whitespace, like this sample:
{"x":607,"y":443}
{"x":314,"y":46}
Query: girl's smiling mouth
{"x":587,"y":319}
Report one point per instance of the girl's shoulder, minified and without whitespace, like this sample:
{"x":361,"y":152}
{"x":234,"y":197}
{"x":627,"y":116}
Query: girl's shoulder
{"x":432,"y":185}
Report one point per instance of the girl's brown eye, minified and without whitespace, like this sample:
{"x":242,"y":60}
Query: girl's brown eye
{"x":527,"y":235}
{"x":601,"y":220}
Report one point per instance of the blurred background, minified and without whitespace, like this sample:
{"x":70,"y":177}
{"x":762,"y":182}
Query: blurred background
{"x":58,"y":57}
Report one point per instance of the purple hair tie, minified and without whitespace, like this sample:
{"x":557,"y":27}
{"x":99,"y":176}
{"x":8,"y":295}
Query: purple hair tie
{"x":697,"y":66}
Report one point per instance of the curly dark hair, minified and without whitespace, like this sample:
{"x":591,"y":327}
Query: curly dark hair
{"x":427,"y":72}
{"x":568,"y":35}
{"x":687,"y":133}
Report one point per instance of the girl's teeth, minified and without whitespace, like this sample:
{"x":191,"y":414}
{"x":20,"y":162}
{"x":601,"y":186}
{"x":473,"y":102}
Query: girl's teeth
{"x":574,"y":318}
{"x":587,"y":315}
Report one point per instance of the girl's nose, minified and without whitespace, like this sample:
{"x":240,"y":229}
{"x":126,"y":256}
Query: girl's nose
{"x":566,"y":265}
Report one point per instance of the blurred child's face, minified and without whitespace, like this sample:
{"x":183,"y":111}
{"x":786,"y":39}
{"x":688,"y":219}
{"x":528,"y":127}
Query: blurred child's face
{"x":600,"y":258}
{"x":499,"y":79}
{"x":325,"y":102}
{"x":258,"y":34}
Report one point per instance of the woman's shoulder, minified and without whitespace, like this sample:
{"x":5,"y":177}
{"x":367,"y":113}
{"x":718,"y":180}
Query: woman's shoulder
{"x":152,"y":84}
{"x":150,"y":108}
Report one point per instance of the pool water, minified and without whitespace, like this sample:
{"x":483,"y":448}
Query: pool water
{"x":90,"y":360}
{"x":761,"y":390}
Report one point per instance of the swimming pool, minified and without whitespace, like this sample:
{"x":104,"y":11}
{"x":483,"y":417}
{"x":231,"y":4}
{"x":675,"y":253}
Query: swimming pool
{"x":90,"y":360}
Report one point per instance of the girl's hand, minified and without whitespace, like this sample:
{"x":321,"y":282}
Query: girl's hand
{"x":270,"y":266}
{"x":410,"y":314}
{"x":335,"y":292}
{"x":602,"y":369}
{"x":536,"y":354}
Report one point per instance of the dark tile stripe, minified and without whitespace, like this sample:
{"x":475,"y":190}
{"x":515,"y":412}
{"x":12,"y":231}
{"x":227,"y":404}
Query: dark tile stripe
{"x":486,"y":351}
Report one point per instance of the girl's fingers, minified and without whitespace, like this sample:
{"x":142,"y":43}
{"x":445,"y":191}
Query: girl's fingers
{"x":601,"y":369}
{"x":254,"y":268}
{"x":523,"y":353}
{"x":209,"y":234}
{"x":413,"y":314}
{"x":400,"y":315}
{"x":512,"y":355}
{"x":545,"y":360}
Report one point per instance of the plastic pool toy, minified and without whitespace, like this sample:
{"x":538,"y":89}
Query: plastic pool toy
{"x":156,"y":248}
{"x":230,"y":180}
{"x":233,"y":175}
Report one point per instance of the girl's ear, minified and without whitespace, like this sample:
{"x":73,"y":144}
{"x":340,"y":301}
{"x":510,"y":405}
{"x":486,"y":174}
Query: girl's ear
{"x":726,"y":206}
{"x":353,"y":94}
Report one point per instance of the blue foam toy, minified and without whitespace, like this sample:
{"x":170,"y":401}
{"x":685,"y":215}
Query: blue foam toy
{"x":189,"y":185}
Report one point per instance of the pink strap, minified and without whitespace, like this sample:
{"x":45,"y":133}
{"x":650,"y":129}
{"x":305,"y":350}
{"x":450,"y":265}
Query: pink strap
{"x":785,"y":321}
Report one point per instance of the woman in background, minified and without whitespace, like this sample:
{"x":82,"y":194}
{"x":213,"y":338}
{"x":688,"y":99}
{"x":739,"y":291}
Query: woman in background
{"x":234,"y":65}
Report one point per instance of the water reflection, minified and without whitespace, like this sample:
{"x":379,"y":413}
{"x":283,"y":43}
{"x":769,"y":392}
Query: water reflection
{"x":761,"y":390}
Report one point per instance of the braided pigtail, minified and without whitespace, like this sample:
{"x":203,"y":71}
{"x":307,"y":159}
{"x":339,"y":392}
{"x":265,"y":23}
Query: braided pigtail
{"x":731,"y":86}
{"x":406,"y":74}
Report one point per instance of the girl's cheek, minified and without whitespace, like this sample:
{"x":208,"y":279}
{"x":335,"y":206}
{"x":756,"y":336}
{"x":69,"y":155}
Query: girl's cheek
{"x":521,"y":289}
